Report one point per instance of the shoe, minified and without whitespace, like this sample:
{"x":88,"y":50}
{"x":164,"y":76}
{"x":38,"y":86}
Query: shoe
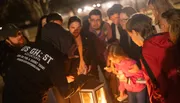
{"x":120,"y":99}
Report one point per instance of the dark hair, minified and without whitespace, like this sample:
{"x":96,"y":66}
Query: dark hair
{"x":173,"y":18}
{"x":95,"y":12}
{"x":118,"y":51}
{"x":39,"y":29}
{"x":54,"y":16}
{"x":116,"y":8}
{"x":141,"y":24}
{"x":73,"y":19}
{"x":128,"y":11}
{"x":112,"y":11}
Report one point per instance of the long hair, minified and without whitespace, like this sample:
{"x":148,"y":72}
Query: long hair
{"x":160,"y":5}
{"x":114,"y":51}
{"x":141,"y":24}
{"x":118,"y":51}
{"x":173,"y":18}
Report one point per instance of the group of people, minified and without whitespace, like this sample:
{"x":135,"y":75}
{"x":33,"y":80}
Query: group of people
{"x":137,"y":62}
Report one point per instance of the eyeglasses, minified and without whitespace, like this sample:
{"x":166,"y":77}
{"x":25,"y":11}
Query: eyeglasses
{"x":124,"y":20}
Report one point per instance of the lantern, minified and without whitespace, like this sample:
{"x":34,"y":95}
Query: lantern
{"x":93,"y":92}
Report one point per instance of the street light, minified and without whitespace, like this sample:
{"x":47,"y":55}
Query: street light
{"x":98,"y":5}
{"x":88,"y":8}
{"x":94,"y":5}
{"x":79,"y":10}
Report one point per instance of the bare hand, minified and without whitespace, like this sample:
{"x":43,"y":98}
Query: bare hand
{"x":108,"y":69}
{"x":83,"y":69}
{"x":70,"y":78}
{"x":122,"y":77}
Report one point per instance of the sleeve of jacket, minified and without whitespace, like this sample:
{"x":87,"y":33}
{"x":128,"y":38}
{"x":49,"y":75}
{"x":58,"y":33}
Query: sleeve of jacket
{"x":155,"y":66}
{"x":1,"y":55}
{"x":109,"y":31}
{"x":58,"y":76}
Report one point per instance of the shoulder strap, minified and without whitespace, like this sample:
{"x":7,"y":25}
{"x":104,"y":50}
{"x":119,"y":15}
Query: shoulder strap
{"x":149,"y":72}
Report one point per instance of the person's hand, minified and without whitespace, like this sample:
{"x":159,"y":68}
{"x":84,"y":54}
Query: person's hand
{"x":70,"y":78}
{"x":122,"y":77}
{"x":83,"y":69}
{"x":108,"y":69}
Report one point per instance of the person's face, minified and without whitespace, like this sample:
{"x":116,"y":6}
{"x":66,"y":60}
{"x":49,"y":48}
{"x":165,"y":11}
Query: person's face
{"x":164,"y":25}
{"x":75,"y":28}
{"x":95,"y":21}
{"x":136,"y":37}
{"x":17,"y":40}
{"x":116,"y":59}
{"x":173,"y":37}
{"x":43,"y":22}
{"x":115,"y":18}
{"x":123,"y":20}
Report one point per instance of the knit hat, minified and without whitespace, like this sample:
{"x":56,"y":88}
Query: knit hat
{"x":57,"y":36}
{"x":8,"y":30}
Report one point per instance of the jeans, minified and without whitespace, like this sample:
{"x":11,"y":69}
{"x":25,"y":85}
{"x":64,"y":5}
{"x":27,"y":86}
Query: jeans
{"x":138,"y":97}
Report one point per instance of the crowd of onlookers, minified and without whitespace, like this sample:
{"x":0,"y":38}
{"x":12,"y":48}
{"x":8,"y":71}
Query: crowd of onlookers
{"x":138,"y":62}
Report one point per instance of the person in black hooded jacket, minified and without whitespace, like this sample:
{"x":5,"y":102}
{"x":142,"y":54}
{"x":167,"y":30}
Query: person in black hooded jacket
{"x":36,"y":68}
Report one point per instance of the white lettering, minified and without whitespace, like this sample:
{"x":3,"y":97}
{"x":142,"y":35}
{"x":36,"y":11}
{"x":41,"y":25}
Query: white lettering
{"x":50,"y":58}
{"x":25,"y":48}
{"x":47,"y":58}
{"x":30,"y":64}
{"x":35,"y":51}
{"x":41,"y":66}
{"x":33,"y":61}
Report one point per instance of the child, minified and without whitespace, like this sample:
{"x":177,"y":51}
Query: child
{"x":111,"y":68}
{"x":131,"y":78}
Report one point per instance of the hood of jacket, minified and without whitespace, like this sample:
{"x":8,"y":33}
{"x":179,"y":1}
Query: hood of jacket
{"x":57,"y":36}
{"x":161,"y":40}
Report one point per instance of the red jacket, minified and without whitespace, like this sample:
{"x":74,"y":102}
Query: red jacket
{"x":154,"y":51}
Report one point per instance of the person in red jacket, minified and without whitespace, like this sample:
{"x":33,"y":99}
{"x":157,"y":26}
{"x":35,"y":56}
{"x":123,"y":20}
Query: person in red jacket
{"x":154,"y":48}
{"x":171,"y":63}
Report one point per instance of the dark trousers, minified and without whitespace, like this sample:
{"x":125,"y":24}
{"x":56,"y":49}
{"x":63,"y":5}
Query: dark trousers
{"x":138,"y":97}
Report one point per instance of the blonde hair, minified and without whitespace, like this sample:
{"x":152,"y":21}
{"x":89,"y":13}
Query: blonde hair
{"x":160,"y":5}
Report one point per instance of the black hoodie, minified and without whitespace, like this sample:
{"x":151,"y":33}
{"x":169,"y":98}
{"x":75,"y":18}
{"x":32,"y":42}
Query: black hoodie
{"x":59,"y":38}
{"x":38,"y":67}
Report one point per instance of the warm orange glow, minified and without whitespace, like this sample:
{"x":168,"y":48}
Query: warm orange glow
{"x":101,"y":98}
{"x":87,"y":97}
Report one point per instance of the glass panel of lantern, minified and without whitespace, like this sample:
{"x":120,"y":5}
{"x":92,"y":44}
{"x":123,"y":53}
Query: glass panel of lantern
{"x":93,"y":92}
